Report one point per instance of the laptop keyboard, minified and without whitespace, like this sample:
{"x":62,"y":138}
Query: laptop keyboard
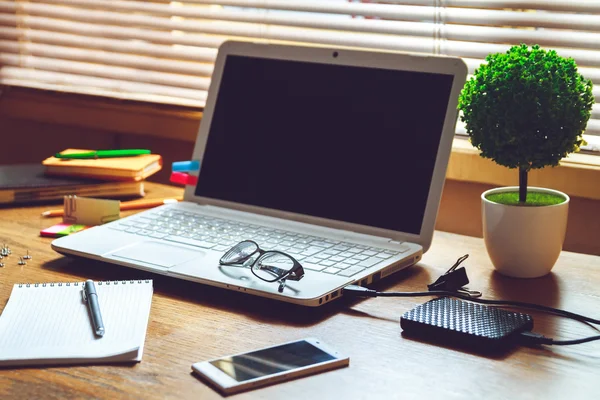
{"x":314,"y":253}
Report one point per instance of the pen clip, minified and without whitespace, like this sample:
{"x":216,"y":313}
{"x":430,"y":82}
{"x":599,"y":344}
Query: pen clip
{"x":83,"y":295}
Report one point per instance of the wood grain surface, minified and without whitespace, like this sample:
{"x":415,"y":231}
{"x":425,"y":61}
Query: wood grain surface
{"x":190,"y":322}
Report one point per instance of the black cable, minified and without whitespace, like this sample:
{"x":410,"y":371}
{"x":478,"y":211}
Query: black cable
{"x":532,"y":306}
{"x":575,"y":341}
{"x":530,"y":338}
{"x":359,"y":291}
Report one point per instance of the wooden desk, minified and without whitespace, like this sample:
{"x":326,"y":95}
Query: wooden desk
{"x":191,"y":322}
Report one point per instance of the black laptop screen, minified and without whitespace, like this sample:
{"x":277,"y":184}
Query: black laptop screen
{"x":346,"y":143}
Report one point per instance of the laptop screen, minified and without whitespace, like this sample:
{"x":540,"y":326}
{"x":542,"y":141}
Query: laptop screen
{"x":352,"y":144}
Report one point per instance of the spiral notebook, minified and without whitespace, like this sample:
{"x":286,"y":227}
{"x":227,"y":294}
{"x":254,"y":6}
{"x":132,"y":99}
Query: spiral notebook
{"x":49,"y":323}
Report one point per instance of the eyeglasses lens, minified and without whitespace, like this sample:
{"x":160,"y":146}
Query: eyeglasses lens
{"x":272,"y":266}
{"x":239,"y":252}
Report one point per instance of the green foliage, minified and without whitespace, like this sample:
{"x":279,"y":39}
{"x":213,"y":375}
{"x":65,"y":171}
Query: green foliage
{"x":534,"y":199}
{"x":526,"y":108}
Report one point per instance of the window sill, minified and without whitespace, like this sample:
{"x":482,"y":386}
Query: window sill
{"x":101,"y":113}
{"x":578,"y":175}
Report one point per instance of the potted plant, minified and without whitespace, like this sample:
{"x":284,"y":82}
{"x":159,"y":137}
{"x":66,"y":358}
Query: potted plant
{"x":525,"y":109}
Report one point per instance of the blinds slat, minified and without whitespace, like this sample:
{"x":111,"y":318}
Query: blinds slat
{"x":91,"y":56}
{"x":453,"y":32}
{"x":117,"y":32}
{"x":249,"y":31}
{"x":117,"y":46}
{"x":465,"y":49}
{"x":114,"y":85}
{"x":546,"y":37}
{"x":105,"y":71}
{"x":368,"y":8}
{"x":395,"y":42}
{"x":400,"y":12}
{"x":158,"y":20}
{"x":94,"y":90}
{"x":589,"y":73}
{"x":481,"y":50}
{"x":456,"y":48}
{"x":461,"y":49}
{"x":593,"y":143}
{"x":587,"y":6}
{"x":109,"y":19}
{"x":593,"y":127}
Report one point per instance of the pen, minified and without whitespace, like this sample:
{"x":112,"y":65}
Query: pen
{"x":103,"y":154}
{"x":89,"y":291}
{"x":130,"y":205}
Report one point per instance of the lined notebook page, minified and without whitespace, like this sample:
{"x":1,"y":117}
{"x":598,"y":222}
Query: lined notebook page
{"x":50,"y":323}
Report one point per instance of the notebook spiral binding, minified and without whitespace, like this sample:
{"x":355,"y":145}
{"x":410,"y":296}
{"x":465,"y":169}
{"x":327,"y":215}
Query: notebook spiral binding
{"x":123,"y":282}
{"x":59,"y":284}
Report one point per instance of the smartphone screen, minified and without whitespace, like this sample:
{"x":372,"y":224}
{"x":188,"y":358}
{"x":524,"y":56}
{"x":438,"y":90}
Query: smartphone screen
{"x":261,"y":367}
{"x":272,"y":360}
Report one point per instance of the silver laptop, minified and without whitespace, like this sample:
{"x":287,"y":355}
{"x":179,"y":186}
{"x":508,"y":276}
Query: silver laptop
{"x":335,"y":157}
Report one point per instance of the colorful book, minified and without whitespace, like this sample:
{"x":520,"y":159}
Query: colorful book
{"x":27,"y":183}
{"x":134,"y":168}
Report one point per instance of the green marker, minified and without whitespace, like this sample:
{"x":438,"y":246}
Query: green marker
{"x":104,"y":154}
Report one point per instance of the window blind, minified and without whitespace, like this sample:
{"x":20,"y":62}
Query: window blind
{"x":163,"y":51}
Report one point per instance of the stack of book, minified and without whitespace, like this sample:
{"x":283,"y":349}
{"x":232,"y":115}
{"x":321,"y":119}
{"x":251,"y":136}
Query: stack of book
{"x":112,"y":177}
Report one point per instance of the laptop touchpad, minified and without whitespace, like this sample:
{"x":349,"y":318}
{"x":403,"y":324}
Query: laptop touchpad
{"x":157,"y":253}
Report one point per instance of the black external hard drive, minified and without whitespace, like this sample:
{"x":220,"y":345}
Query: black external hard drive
{"x":463,"y":324}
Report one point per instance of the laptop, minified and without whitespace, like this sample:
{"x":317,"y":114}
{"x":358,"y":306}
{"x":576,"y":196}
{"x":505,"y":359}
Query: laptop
{"x":336,"y":157}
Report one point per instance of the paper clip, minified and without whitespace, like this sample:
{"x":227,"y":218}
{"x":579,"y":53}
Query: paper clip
{"x":185,"y":166}
{"x":183,"y":178}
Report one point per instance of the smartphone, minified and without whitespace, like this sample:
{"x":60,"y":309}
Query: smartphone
{"x":244,"y":371}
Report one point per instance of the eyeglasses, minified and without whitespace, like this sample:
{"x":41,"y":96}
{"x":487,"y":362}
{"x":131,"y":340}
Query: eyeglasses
{"x":270,"y":266}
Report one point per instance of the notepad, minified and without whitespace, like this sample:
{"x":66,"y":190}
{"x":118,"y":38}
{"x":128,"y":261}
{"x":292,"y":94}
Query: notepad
{"x":49,"y":323}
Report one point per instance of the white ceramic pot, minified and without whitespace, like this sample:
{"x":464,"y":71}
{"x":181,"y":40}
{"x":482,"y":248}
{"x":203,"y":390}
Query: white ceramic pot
{"x":524,"y":242}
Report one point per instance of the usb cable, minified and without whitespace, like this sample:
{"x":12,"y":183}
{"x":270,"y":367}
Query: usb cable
{"x":534,"y":339}
{"x":527,"y":338}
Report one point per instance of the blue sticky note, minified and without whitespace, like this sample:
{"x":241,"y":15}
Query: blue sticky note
{"x":185,"y":166}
